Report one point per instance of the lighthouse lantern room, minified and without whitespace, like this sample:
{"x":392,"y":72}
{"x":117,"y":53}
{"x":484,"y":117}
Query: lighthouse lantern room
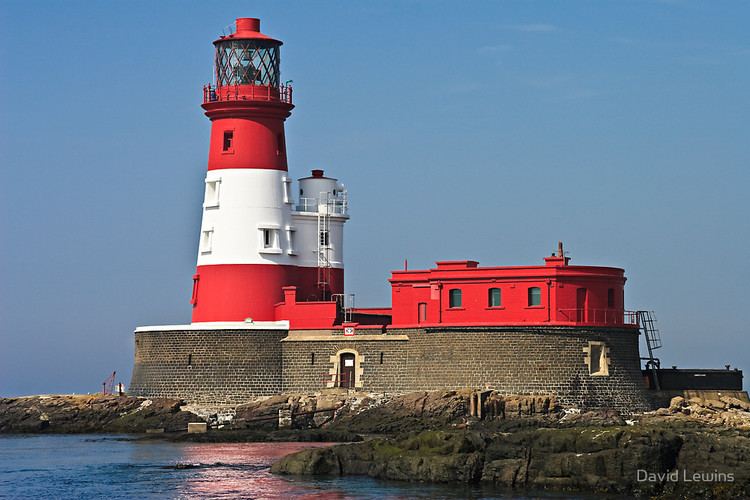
{"x":255,"y":238}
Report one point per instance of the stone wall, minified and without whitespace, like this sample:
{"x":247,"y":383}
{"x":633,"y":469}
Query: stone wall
{"x":524,"y":360}
{"x":234,"y":366}
{"x":204,"y":366}
{"x":384,"y":364}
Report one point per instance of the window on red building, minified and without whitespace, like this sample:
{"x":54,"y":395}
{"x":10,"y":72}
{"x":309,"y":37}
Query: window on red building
{"x":422,"y":312}
{"x":228,"y":141}
{"x":454,"y":298}
{"x":494,"y":297}
{"x":535,"y":296}
{"x":611,"y":298}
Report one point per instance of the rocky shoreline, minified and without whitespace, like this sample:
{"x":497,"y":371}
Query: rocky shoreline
{"x":696,"y":448}
{"x":77,"y":414}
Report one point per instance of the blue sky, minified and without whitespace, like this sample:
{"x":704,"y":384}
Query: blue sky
{"x":484,"y":130}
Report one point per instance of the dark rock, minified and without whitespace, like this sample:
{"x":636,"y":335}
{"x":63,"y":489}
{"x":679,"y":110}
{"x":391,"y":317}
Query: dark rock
{"x":414,"y":411}
{"x":595,"y":459}
{"x":311,"y":461}
{"x":98,"y":413}
{"x":428,"y":456}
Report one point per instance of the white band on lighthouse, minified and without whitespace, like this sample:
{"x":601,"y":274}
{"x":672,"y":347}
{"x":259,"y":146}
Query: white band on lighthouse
{"x":251,"y":221}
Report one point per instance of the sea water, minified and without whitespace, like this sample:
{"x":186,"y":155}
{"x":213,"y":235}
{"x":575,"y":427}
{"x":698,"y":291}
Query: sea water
{"x":115,"y":467}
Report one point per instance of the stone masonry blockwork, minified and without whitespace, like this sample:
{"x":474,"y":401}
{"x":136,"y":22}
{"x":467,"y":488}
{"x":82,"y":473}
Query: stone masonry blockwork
{"x":233,"y":366}
{"x":522,"y":360}
{"x":209,"y":366}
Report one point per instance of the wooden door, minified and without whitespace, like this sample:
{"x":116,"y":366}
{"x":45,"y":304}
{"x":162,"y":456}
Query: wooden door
{"x":346,"y":371}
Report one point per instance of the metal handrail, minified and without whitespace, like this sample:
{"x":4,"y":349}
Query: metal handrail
{"x":282,"y":93}
{"x":345,"y":302}
{"x":335,"y":206}
{"x":593,"y":315}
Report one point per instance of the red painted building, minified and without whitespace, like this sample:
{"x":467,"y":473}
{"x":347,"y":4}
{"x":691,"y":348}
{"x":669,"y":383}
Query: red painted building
{"x":268,"y":255}
{"x":461,"y":293}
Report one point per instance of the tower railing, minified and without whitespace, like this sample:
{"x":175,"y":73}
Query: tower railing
{"x":335,"y":206}
{"x":598,"y":316}
{"x":212,"y":93}
{"x":345,"y":303}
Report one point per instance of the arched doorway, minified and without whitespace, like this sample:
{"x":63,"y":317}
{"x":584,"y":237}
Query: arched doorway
{"x":346,"y":370}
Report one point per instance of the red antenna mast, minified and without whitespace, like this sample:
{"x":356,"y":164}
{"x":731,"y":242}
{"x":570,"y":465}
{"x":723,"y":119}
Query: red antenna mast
{"x":108,"y":384}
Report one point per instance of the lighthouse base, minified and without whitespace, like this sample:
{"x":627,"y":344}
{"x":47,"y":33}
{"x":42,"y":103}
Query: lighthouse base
{"x":219,"y":365}
{"x":211,"y":363}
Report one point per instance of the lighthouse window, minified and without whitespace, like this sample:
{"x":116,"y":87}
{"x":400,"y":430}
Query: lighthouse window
{"x":611,"y":298}
{"x":212,"y":194}
{"x":535,"y":296}
{"x":207,"y":237}
{"x":493,"y":297}
{"x":269,"y":240}
{"x":194,"y":298}
{"x":454,"y":298}
{"x":228,"y":142}
{"x":324,"y":238}
{"x":287,"y":189}
{"x":247,"y":62}
{"x":596,"y":356}
{"x":422,"y":312}
{"x":292,"y":249}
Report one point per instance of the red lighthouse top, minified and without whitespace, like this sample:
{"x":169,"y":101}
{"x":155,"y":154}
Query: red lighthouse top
{"x":247,"y":28}
{"x":248,"y":103}
{"x":247,"y":66}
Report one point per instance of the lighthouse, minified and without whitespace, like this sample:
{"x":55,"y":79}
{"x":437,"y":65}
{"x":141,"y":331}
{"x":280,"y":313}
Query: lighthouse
{"x":269,"y":311}
{"x":258,"y":234}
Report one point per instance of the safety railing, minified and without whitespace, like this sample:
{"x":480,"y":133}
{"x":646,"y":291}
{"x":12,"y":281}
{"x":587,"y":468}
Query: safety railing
{"x":335,"y":206}
{"x":282,"y":93}
{"x":631,"y":318}
{"x":345,"y":303}
{"x":598,"y":316}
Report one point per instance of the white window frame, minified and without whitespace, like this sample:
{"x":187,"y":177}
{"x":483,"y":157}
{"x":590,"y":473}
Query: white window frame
{"x":603,"y":352}
{"x":287,"y":183}
{"x":275,"y":245}
{"x":207,"y":239}
{"x":211,"y":196}
{"x":290,"y":235}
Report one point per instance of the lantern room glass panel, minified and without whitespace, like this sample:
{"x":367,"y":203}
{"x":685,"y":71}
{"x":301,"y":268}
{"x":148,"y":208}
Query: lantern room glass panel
{"x":247,"y":62}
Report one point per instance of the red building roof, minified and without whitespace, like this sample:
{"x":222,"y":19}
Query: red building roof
{"x":461,"y":293}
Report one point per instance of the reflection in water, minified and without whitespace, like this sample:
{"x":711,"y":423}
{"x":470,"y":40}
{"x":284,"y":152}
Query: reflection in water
{"x":110,"y":467}
{"x":232,"y":470}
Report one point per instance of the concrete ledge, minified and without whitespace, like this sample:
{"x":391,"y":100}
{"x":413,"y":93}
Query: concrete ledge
{"x":218,"y":325}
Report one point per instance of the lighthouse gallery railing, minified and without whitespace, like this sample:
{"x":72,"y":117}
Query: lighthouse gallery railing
{"x":282,"y":93}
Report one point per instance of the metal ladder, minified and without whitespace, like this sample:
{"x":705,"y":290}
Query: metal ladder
{"x":345,"y":302}
{"x":324,"y":244}
{"x":647,"y":324}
